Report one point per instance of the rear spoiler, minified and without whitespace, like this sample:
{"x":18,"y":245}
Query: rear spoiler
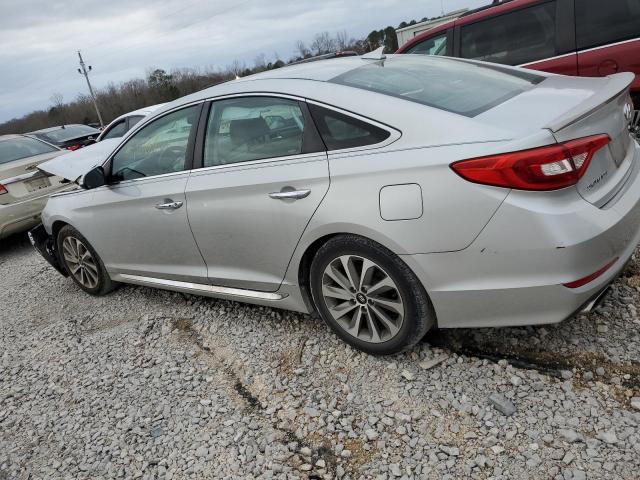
{"x":616,"y":84}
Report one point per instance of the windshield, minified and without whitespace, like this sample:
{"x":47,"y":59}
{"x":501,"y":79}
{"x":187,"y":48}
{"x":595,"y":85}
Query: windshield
{"x":13,"y":149}
{"x":452,"y":85}
{"x":67,"y":133}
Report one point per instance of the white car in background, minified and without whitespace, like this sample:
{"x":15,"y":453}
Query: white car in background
{"x":122,"y":124}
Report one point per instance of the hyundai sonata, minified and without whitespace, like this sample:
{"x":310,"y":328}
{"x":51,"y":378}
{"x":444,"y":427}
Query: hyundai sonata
{"x":388,"y":194}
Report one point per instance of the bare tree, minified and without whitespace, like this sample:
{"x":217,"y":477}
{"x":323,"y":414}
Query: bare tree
{"x":302,"y":49}
{"x":322,"y":43}
{"x":56,"y":99}
{"x":236,"y":68}
{"x":342,"y":40}
{"x":260,"y":62}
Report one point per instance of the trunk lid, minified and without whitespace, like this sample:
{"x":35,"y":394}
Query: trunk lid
{"x":571,"y":108}
{"x":23,"y":180}
{"x":74,"y":165}
{"x":611,"y":166}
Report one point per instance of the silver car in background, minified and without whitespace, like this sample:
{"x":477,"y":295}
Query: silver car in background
{"x":23,"y":188}
{"x":389,"y":195}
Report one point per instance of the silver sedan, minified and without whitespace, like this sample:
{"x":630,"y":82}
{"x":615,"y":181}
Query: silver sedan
{"x":24,"y":189}
{"x":388,"y":194}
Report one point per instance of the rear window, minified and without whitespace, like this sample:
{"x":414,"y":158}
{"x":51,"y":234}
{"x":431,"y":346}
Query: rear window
{"x":513,"y":38}
{"x":599,"y":23}
{"x":453,"y":85}
{"x":13,"y":149}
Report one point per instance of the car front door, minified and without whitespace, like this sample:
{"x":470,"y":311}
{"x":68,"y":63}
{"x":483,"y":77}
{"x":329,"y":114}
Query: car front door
{"x":138,"y":222}
{"x":264,"y":172}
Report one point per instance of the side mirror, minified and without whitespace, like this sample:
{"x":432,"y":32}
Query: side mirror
{"x":94,"y":178}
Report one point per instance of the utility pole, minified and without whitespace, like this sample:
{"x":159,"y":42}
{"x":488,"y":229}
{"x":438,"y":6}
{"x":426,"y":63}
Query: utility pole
{"x":83,"y":71}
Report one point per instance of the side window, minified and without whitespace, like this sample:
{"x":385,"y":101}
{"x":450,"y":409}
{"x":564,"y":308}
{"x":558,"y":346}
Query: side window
{"x":431,"y":46}
{"x":599,"y":23}
{"x":158,"y":148}
{"x":252,"y":128}
{"x":342,"y":131}
{"x":513,"y":38}
{"x":117,"y":130}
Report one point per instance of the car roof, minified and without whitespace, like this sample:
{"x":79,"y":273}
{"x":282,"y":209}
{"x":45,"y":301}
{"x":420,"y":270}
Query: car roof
{"x":318,"y":71}
{"x":144,"y":111}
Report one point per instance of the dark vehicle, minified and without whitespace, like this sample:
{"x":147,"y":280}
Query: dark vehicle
{"x":588,"y":38}
{"x":71,"y":137}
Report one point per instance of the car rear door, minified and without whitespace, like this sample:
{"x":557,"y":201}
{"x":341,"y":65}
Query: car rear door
{"x":264,"y":172}
{"x":608,"y":38}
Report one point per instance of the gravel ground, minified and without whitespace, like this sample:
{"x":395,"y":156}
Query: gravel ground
{"x":151,"y":384}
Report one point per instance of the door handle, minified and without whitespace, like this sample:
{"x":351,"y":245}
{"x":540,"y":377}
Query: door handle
{"x":169,"y":205}
{"x":290,"y":194}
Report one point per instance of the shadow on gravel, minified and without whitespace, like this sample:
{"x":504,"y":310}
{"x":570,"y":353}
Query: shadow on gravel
{"x":18,"y":241}
{"x":552,"y":363}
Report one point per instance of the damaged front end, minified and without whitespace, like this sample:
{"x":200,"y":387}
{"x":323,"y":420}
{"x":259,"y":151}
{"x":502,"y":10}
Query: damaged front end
{"x":44,"y":244}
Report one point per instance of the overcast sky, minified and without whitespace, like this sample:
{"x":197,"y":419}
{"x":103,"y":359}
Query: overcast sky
{"x":122,"y":39}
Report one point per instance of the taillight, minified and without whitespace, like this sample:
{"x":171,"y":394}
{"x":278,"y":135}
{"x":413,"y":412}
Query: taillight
{"x":73,"y":147}
{"x":544,"y":168}
{"x":3,"y":189}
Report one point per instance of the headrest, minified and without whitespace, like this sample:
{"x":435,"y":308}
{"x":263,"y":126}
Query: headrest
{"x":246,"y":129}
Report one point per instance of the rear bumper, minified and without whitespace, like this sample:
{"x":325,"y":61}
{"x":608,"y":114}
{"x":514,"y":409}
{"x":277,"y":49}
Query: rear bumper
{"x":18,"y":217}
{"x":45,"y":246}
{"x":513,"y":273}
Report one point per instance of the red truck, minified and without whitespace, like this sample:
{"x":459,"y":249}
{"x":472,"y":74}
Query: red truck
{"x":572,"y":37}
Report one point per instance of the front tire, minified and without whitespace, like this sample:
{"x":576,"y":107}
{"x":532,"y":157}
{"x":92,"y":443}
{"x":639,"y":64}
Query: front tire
{"x":369,"y":296}
{"x":82,"y":263}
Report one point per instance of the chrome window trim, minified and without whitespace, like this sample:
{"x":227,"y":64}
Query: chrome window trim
{"x":300,"y":158}
{"x":160,"y":177}
{"x":255,"y":94}
{"x":394,"y":133}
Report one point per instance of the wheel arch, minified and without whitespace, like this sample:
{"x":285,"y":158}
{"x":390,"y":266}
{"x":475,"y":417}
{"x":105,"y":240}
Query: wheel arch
{"x":314,"y":242}
{"x":56,"y":226}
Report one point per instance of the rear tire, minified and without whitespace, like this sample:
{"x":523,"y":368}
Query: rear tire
{"x":82,"y":263}
{"x":369,"y":296}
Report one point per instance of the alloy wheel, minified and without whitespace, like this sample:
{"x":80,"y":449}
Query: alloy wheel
{"x":362,"y":298}
{"x":80,"y":262}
